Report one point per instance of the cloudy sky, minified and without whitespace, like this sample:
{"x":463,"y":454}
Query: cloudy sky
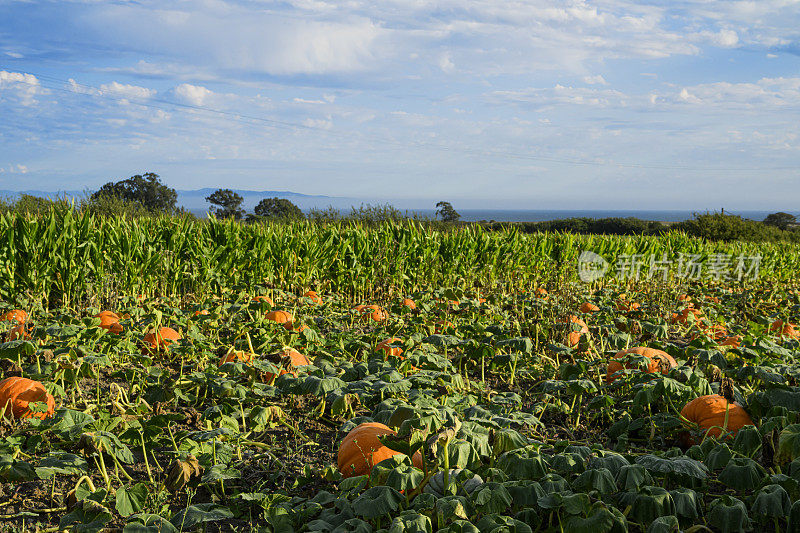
{"x":611,"y":104}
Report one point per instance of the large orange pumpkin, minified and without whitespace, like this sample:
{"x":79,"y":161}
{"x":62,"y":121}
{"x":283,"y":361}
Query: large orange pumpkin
{"x":360,"y":450}
{"x":708,"y":412}
{"x":658,"y":360}
{"x":109,"y":321}
{"x":573,"y":337}
{"x":16,"y":315}
{"x":161,"y":341}
{"x":281,"y":317}
{"x":784,"y":329}
{"x":16,"y":393}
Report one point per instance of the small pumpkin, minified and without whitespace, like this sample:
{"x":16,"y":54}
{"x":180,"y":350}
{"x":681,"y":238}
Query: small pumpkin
{"x":385,"y":345}
{"x":264,"y":299}
{"x":236,"y":355}
{"x":573,"y":337}
{"x":734,"y":341}
{"x":658,"y":360}
{"x":17,"y":332}
{"x":109,"y":321}
{"x":443,"y":326}
{"x":373,"y":312}
{"x":17,"y":393}
{"x":408,"y":302}
{"x":295,"y":359}
{"x":281,"y":317}
{"x":625,"y":306}
{"x":708,"y":412}
{"x":589,"y":307}
{"x":313,"y":296}
{"x":541,"y":292}
{"x":784,"y":329}
{"x":683,"y":316}
{"x":715,"y":331}
{"x":159,"y":342}
{"x":361,"y":449}
{"x":15,"y":315}
{"x":200,"y":312}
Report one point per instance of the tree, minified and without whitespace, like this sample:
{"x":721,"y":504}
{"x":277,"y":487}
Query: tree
{"x":226,"y":204}
{"x":445,"y":211}
{"x":780,"y":220}
{"x":146,"y":190}
{"x":278,"y":208}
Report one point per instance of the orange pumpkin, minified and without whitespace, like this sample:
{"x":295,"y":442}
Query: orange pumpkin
{"x":733,"y":341}
{"x":16,"y":315}
{"x":109,"y":321}
{"x":442,"y":326}
{"x":373,"y":312}
{"x":281,"y":317}
{"x":16,"y":393}
{"x":236,"y":355}
{"x":201,"y":312}
{"x":161,"y":341}
{"x":784,"y":329}
{"x":296,"y":358}
{"x":621,"y":360}
{"x":407,"y":302}
{"x":312,"y":295}
{"x":715,"y":331}
{"x":573,"y":337}
{"x":588,"y":307}
{"x":264,"y":299}
{"x":18,"y":332}
{"x":390,"y":350}
{"x":624,"y":306}
{"x":541,"y":292}
{"x":361,"y":449}
{"x":708,"y":412}
{"x":683,"y":316}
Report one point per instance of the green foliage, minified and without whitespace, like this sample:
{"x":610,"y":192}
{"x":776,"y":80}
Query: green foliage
{"x":278,"y":208}
{"x":446,"y":212}
{"x":722,"y":227}
{"x":226,"y":204}
{"x":780,"y":220}
{"x":146,"y":190}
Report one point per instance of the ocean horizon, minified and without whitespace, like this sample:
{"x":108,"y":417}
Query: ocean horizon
{"x":542,"y":215}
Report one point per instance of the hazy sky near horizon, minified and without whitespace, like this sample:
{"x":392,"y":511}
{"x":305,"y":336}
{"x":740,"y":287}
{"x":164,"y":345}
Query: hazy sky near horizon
{"x":541,"y":104}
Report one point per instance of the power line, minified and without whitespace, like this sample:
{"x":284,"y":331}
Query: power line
{"x":92,"y":91}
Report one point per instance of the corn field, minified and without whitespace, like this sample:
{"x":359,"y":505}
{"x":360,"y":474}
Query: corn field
{"x":66,"y":256}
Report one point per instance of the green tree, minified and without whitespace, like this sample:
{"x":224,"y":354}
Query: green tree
{"x":446,"y":212}
{"x":278,"y":208}
{"x":780,"y":220}
{"x":226,"y":204}
{"x":145,"y":189}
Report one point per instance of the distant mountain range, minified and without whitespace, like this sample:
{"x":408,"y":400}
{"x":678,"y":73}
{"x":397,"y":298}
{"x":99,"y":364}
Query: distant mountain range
{"x":195,"y":200}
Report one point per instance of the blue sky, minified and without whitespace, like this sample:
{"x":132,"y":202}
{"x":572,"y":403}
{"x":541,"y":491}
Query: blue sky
{"x":611,"y":104}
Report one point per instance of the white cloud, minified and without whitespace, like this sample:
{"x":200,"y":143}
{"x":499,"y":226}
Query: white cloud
{"x":125,"y":90}
{"x":446,"y":63}
{"x":14,"y":169}
{"x":193,"y":94}
{"x":595,"y":80}
{"x":23,"y":86}
{"x":766,"y":92}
